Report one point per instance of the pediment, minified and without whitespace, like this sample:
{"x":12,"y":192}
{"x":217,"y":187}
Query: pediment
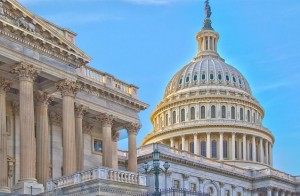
{"x":18,"y":22}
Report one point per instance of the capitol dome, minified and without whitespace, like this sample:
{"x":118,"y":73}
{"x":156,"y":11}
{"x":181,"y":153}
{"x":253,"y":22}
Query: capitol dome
{"x":208,"y":111}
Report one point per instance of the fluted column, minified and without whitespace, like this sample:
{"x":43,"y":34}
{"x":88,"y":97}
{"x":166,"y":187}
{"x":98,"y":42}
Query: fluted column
{"x":221,"y":146}
{"x":208,"y":145}
{"x":80,"y":111}
{"x":183,"y":142}
{"x":276,"y":192}
{"x":115,"y":159}
{"x":172,"y":142}
{"x":42,"y":136}
{"x":26,"y":74}
{"x":68,"y":90}
{"x":196,"y":144}
{"x":270,"y":154}
{"x":4,"y":86}
{"x":253,"y":149}
{"x":269,"y":191}
{"x":132,"y":129}
{"x":233,"y":146}
{"x":107,"y":122}
{"x":267,"y":152}
{"x":282,"y":193}
{"x":261,"y":151}
{"x":244,"y":147}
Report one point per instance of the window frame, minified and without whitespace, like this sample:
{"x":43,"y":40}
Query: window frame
{"x":93,"y":146}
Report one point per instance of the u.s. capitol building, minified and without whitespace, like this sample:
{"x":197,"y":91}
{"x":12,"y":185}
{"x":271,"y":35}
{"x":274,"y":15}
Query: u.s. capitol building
{"x":60,"y":121}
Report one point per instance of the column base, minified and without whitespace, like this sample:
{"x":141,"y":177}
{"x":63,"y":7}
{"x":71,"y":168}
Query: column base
{"x":4,"y":190}
{"x":28,"y":187}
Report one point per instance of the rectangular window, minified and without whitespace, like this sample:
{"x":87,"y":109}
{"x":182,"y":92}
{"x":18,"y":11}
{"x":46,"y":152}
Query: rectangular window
{"x":97,"y":146}
{"x":193,"y":187}
{"x":227,"y":193}
{"x":176,"y":184}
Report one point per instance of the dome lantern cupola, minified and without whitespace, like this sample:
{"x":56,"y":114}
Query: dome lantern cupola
{"x":207,"y":38}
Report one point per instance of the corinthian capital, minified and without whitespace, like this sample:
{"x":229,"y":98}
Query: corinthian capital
{"x":67,"y":87}
{"x":80,"y":110}
{"x":105,"y":119}
{"x":115,"y":136}
{"x":133,"y":128}
{"x":4,"y":84}
{"x":43,"y":98}
{"x":25,"y":71}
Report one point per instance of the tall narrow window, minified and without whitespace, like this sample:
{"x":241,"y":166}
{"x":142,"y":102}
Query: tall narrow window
{"x":248,"y":115}
{"x":254,"y":117}
{"x":195,"y":77}
{"x":166,"y":120}
{"x":241,"y":114}
{"x":214,"y":149}
{"x":225,"y":149}
{"x":192,"y":150}
{"x":182,"y":115}
{"x":202,"y":112}
{"x":251,"y":152}
{"x":223,"y":111}
{"x":192,"y":113}
{"x":174,"y":117}
{"x":203,"y":148}
{"x":236,"y":150}
{"x":213,"y":111}
{"x":232,"y":112}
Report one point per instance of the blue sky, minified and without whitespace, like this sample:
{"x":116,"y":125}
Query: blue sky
{"x":145,"y":42}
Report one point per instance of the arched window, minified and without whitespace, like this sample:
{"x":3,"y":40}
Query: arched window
{"x":174,"y":117}
{"x":220,"y":76}
{"x":166,"y":120}
{"x":225,"y":149}
{"x":180,"y":81}
{"x":187,"y":79}
{"x":192,"y":147}
{"x":211,"y":191}
{"x":211,"y":76}
{"x":213,"y":111}
{"x":202,"y":112}
{"x":223,"y":111}
{"x":182,"y":115}
{"x":251,"y":151}
{"x":227,"y":78}
{"x":232,"y":112}
{"x":195,"y":77}
{"x":254,"y":117}
{"x":248,"y":115}
{"x":241,"y":114}
{"x":203,"y":148}
{"x":192,"y":113}
{"x":203,"y":76}
{"x":214,"y":149}
{"x":234,"y":79}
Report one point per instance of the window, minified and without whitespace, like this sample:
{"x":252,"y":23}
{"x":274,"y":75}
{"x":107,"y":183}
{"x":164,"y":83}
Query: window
{"x":203,"y":76}
{"x":234,"y":79}
{"x":248,"y":115}
{"x":251,"y":152}
{"x":176,"y":184}
{"x":182,"y":115}
{"x":192,"y":113}
{"x":174,"y":117}
{"x":193,"y":187}
{"x":240,"y":81}
{"x":241,"y":114}
{"x":236,"y":150}
{"x":232,"y":112}
{"x":227,"y":193}
{"x":187,"y":79}
{"x":192,"y":150}
{"x":202,"y":112}
{"x":166,"y":120}
{"x":203,"y":148}
{"x":97,"y":145}
{"x":210,"y":191}
{"x":219,"y":76}
{"x":213,"y":111}
{"x":195,"y":77}
{"x":227,"y":77}
{"x":239,"y":194}
{"x":225,"y":149}
{"x":254,"y":117}
{"x":214,"y":149}
{"x":223,"y":111}
{"x":211,"y":76}
{"x":180,"y":81}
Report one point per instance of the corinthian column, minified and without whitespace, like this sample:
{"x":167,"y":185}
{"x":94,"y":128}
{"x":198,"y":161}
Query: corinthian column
{"x":26,"y":74}
{"x":221,"y":146}
{"x":132,"y":129}
{"x":115,"y":159}
{"x":80,"y":111}
{"x":107,"y":121}
{"x":4,"y":86}
{"x":233,"y":146}
{"x":208,"y":145}
{"x":68,"y":90}
{"x":261,"y":150}
{"x":42,"y":133}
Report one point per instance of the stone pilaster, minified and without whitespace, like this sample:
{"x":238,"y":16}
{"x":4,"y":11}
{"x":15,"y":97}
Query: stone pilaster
{"x":42,"y":134}
{"x":107,"y":121}
{"x":132,"y":130}
{"x":244,"y":147}
{"x":80,"y":111}
{"x":4,"y":86}
{"x":26,"y":74}
{"x":261,"y":151}
{"x":233,"y":146}
{"x":208,"y":145}
{"x":253,"y":149}
{"x":196,"y":144}
{"x":68,"y":90}
{"x":221,"y":146}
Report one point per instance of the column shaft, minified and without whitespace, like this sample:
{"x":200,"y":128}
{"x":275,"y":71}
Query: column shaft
{"x":115,"y":158}
{"x":208,"y":146}
{"x":196,"y":144}
{"x":270,"y":154}
{"x":261,"y":151}
{"x":244,"y":147}
{"x":233,"y":146}
{"x":183,"y":142}
{"x":132,"y":130}
{"x":221,"y":147}
{"x":253,"y":149}
{"x":106,"y":148}
{"x":172,"y":142}
{"x":267,"y":152}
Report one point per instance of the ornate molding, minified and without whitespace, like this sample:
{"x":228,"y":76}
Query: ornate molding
{"x":4,"y":84}
{"x":105,"y":119}
{"x":25,"y":71}
{"x":43,"y":98}
{"x":87,"y":127}
{"x":67,"y":87}
{"x":133,"y":128}
{"x":80,"y":110}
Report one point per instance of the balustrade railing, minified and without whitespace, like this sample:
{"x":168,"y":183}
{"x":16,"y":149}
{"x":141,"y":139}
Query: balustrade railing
{"x":175,"y":192}
{"x":97,"y":173}
{"x":107,"y":80}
